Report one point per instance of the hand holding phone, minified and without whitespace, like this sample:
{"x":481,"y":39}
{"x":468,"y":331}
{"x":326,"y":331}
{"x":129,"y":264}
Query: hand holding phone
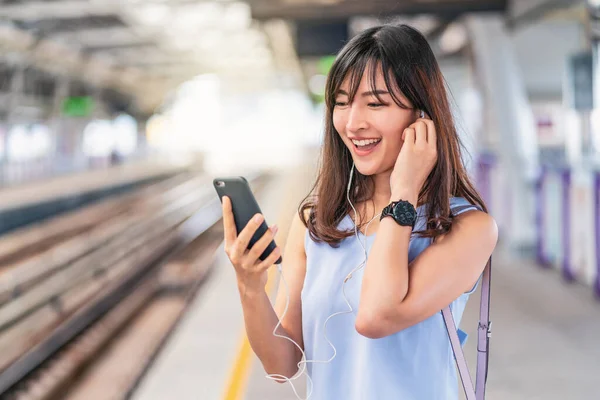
{"x":249,"y":242}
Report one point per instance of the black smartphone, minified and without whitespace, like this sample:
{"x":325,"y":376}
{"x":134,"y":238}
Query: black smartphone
{"x":244,"y":207}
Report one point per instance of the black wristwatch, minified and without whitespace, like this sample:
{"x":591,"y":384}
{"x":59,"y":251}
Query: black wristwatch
{"x":403,"y":212}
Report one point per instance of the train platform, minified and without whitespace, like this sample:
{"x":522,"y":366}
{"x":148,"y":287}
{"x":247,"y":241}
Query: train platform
{"x":543,"y":344}
{"x":88,"y":181}
{"x":33,"y":202}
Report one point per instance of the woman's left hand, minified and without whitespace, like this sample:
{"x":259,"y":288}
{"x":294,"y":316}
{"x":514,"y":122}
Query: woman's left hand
{"x":416,"y":160}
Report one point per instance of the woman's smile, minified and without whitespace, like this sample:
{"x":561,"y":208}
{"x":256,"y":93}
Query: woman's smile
{"x":364,"y":147}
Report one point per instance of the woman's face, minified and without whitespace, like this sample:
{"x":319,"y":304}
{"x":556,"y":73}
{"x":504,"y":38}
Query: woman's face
{"x":371,"y":129}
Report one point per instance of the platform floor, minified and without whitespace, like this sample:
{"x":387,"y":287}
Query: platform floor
{"x":544,"y":344}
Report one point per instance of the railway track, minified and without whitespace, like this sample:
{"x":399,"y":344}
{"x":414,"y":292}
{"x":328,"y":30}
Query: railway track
{"x":83,"y":316}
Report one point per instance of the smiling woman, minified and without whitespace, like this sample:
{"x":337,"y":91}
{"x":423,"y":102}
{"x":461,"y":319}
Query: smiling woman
{"x":390,"y":149}
{"x":373,"y":329}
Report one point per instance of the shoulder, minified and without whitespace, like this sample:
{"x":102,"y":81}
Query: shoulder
{"x":470,"y":223}
{"x":297,"y":231}
{"x":475,"y":218}
{"x":476,"y":225}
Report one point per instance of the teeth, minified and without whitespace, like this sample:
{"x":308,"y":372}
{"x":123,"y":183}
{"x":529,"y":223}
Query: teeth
{"x":365,"y":142}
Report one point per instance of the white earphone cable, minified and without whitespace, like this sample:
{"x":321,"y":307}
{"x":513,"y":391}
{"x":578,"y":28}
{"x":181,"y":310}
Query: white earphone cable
{"x":302,"y":363}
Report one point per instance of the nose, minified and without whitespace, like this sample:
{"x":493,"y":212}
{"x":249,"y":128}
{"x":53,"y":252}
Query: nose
{"x":356,"y":119}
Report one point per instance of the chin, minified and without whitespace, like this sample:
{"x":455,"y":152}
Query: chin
{"x":367,"y":168}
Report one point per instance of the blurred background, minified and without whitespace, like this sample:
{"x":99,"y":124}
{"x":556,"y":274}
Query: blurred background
{"x":115,"y":116}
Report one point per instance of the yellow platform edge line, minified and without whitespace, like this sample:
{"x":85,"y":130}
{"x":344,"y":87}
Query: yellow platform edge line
{"x":238,"y":379}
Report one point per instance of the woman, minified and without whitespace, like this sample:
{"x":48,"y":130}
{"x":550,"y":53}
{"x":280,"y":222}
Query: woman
{"x":390,"y":148}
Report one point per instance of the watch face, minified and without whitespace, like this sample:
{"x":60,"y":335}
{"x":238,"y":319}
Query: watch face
{"x":404,"y":213}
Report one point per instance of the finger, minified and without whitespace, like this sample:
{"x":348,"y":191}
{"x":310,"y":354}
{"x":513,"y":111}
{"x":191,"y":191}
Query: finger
{"x":259,"y":247}
{"x":228,"y":222}
{"x":274,"y":256}
{"x":409,"y":136}
{"x":248,"y":231}
{"x":420,"y":133}
{"x":431,"y":133}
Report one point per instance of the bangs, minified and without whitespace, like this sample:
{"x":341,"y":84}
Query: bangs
{"x":353,"y":67}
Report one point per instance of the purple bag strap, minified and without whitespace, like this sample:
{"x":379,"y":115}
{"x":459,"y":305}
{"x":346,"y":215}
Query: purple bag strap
{"x":484,"y":332}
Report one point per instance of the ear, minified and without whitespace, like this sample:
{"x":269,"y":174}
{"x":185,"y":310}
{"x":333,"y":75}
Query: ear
{"x":422,"y":114}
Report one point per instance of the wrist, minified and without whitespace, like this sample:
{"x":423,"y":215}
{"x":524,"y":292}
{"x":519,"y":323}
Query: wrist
{"x":406,"y":195}
{"x":250,"y":287}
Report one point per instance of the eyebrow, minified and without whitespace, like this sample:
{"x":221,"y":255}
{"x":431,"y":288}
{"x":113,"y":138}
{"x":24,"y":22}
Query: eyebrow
{"x":366,"y":94}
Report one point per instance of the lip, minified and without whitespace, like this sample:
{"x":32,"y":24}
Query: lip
{"x":362,"y":153}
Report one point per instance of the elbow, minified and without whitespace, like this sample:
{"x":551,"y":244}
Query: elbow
{"x":281,"y":379}
{"x":279,"y":375}
{"x":367,"y":330}
{"x":283,"y":371}
{"x":370,"y":325}
{"x":374,"y":320}
{"x":376,"y":325}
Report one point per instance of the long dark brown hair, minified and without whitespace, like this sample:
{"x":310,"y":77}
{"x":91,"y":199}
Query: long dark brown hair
{"x":408,"y":65}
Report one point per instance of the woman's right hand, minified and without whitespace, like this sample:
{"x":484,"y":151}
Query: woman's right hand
{"x":250,"y":270}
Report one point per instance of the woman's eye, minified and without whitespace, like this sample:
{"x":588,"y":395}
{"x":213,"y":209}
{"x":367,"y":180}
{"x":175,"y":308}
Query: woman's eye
{"x":341,"y":104}
{"x":376,"y":105}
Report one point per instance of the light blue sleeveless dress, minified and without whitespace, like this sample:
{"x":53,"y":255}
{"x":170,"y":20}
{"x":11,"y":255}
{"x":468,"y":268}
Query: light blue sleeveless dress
{"x":416,"y":363}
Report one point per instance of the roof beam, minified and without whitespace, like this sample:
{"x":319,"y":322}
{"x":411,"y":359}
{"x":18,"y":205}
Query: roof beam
{"x":41,"y":10}
{"x":526,"y":12}
{"x":58,"y":25}
{"x":120,"y":47}
{"x":267,"y":9}
{"x":102,"y":37}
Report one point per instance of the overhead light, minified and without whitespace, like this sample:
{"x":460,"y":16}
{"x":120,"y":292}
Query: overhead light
{"x":209,"y":39}
{"x":250,"y":37}
{"x":184,"y":43}
{"x":424,"y":23}
{"x":359,"y":24}
{"x":199,"y":15}
{"x":454,"y":38}
{"x":154,"y":14}
{"x":15,"y":38}
{"x":237,"y":16}
{"x":262,"y":53}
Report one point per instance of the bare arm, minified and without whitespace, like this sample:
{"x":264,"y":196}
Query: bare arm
{"x":278,"y":355}
{"x":440,"y":274}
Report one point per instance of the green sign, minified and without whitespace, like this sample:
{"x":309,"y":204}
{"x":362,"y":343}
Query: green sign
{"x":81,"y":106}
{"x":325,"y":63}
